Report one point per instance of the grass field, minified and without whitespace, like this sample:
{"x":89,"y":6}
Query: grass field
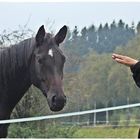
{"x":130,"y":132}
{"x":57,"y":131}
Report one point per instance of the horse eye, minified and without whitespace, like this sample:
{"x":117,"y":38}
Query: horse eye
{"x":40,"y":60}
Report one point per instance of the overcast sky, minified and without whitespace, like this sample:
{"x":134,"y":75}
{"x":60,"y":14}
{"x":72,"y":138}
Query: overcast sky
{"x":70,"y":13}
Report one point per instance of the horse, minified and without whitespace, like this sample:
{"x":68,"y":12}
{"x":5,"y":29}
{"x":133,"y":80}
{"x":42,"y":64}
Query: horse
{"x":34,"y":61}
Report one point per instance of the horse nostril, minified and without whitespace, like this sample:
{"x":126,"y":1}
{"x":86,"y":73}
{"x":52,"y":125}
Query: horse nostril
{"x":53,"y":99}
{"x":57,"y":102}
{"x":65,"y":99}
{"x":56,"y":99}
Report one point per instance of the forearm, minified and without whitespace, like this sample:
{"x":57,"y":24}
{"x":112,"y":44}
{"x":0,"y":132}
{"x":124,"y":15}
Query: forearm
{"x":135,"y":69}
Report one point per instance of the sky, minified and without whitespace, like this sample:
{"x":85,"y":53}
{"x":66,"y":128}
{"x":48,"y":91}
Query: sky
{"x":56,"y":14}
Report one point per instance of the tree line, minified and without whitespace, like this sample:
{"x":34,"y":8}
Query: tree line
{"x":103,"y":39}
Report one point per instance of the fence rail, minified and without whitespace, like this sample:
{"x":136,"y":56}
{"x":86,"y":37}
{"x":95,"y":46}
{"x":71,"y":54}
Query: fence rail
{"x":67,"y":114}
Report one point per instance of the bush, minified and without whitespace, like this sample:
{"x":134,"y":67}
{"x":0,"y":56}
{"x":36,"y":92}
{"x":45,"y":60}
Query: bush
{"x":24,"y":131}
{"x":51,"y":131}
{"x":60,"y":131}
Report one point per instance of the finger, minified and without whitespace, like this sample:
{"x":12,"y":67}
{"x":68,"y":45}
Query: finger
{"x":120,"y":61}
{"x":113,"y":57}
{"x":118,"y":56}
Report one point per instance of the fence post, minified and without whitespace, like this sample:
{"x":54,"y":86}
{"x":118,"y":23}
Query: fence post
{"x":95,"y":115}
{"x":107,"y":118}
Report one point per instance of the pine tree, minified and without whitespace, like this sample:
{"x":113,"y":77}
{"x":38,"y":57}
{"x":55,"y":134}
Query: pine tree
{"x":75,"y":33}
{"x":138,"y":27}
{"x":92,"y":37}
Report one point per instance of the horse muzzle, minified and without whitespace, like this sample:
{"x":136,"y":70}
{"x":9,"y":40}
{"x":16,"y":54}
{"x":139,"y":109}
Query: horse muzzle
{"x":56,"y":102}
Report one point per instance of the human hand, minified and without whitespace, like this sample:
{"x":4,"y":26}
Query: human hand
{"x":125,"y":60}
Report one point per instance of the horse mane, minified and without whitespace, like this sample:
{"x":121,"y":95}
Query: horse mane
{"x":14,"y":58}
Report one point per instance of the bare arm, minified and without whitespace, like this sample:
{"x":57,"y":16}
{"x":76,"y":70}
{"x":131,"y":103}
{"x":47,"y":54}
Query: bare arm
{"x":130,"y":62}
{"x":125,"y":60}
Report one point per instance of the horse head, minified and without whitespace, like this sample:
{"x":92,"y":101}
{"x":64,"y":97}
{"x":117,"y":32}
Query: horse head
{"x":47,"y":67}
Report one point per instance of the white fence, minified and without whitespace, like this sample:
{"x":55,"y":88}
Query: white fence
{"x":69,"y":114}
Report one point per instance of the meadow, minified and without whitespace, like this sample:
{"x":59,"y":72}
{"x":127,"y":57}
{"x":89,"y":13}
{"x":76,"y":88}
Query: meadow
{"x":106,"y":132}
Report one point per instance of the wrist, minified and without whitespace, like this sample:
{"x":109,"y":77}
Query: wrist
{"x":135,"y":67}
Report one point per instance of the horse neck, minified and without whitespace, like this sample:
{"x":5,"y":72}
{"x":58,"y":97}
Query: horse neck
{"x":14,"y":72}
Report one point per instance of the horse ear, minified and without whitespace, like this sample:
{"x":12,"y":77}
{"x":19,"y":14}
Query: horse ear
{"x":60,"y":36}
{"x":40,"y":35}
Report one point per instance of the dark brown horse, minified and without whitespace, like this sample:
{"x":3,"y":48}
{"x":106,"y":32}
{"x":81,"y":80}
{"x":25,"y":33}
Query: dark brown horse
{"x":37,"y":61}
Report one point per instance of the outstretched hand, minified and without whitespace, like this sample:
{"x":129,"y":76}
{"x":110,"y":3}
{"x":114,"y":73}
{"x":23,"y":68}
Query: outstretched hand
{"x":125,"y":60}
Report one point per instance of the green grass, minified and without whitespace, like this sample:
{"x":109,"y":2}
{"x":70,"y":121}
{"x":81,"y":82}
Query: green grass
{"x":130,"y":132}
{"x":60,"y":131}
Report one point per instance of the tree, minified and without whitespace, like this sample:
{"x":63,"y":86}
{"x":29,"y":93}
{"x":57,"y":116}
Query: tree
{"x":138,"y":27}
{"x":75,"y":33}
{"x":84,"y":33}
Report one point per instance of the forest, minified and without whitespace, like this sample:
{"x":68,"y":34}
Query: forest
{"x":91,"y":78}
